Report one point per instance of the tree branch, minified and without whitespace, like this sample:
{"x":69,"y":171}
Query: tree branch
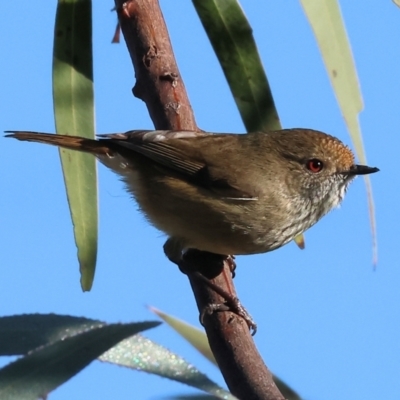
{"x":159,"y":85}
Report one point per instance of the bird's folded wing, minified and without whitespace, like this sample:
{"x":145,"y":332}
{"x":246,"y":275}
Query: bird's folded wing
{"x":157,"y":146}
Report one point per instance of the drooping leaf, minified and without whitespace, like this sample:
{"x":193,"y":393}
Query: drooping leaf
{"x":231,"y":36}
{"x":142,"y":354}
{"x":74,"y":115}
{"x":299,"y":240}
{"x":66,"y":352}
{"x":21,"y":334}
{"x":328,"y":26}
{"x":190,"y":333}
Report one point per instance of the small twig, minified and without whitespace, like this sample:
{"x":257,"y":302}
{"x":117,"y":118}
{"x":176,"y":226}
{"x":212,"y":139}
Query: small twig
{"x":160,"y":86}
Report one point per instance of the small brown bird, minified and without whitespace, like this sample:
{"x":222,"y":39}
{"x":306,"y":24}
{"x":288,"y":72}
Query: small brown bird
{"x":225,"y":193}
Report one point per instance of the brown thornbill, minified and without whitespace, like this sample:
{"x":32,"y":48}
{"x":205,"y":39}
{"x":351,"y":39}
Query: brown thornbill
{"x":225,"y":193}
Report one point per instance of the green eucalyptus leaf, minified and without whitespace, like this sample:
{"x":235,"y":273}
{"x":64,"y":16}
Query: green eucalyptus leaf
{"x":140,"y":353}
{"x":21,"y":334}
{"x":231,"y":36}
{"x":66,"y":352}
{"x":74,"y":115}
{"x":190,"y":333}
{"x":326,"y":21}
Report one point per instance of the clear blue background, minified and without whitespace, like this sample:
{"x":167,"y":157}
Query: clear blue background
{"x":329,"y":325}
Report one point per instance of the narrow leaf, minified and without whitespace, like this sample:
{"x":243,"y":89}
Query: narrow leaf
{"x":231,"y":36}
{"x":142,"y":354}
{"x":190,"y":333}
{"x":74,"y":115}
{"x":20,"y":334}
{"x":299,"y":240}
{"x":47,"y":367}
{"x":326,"y":21}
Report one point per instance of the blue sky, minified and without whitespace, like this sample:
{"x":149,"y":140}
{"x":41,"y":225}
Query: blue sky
{"x":328,"y":323}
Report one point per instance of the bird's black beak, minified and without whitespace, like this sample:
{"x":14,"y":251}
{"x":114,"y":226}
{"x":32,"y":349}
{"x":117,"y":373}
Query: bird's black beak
{"x":360,"y":170}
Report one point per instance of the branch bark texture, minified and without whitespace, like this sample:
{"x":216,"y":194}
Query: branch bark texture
{"x":160,"y":86}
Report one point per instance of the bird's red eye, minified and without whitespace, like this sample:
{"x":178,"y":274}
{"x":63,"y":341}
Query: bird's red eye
{"x":314,"y":165}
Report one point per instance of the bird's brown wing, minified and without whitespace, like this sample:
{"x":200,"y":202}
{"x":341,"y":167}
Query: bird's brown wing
{"x":179,"y":151}
{"x":166,"y":155}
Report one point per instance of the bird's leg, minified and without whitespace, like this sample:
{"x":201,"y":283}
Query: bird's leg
{"x":192,"y":262}
{"x":232,"y":303}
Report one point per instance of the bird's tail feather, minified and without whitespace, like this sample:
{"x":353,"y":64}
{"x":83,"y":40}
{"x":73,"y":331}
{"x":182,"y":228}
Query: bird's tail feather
{"x":69,"y":142}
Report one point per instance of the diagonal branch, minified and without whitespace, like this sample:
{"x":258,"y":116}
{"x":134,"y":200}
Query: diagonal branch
{"x":159,"y":85}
